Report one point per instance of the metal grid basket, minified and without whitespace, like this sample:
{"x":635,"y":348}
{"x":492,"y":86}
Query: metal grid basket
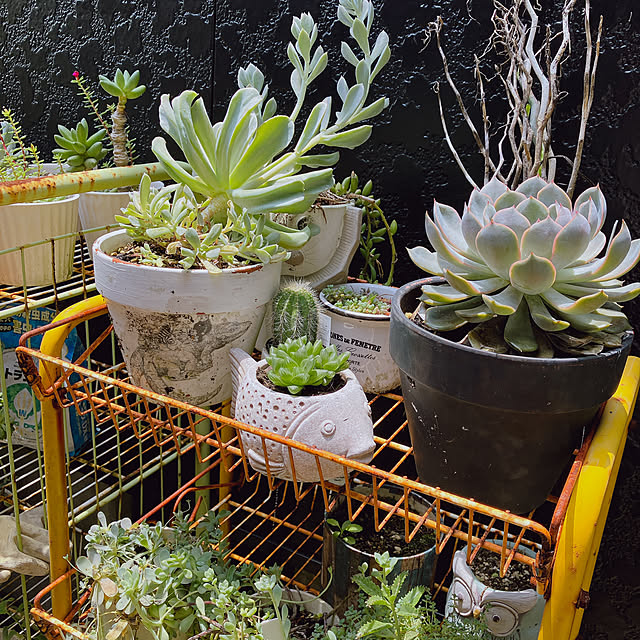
{"x":272,"y":520}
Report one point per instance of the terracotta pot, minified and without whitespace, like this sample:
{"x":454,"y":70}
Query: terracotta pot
{"x":338,"y":422}
{"x":176,"y":326}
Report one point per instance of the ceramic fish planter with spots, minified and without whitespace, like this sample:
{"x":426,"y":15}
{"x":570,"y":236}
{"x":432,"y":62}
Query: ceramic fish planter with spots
{"x":514,"y":615}
{"x":338,"y":422}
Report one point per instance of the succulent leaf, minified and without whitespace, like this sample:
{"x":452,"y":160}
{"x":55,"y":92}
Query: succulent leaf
{"x":498,"y":245}
{"x":518,"y":331}
{"x":504,"y":303}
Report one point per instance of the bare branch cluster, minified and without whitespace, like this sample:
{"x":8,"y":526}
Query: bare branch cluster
{"x":529,"y":67}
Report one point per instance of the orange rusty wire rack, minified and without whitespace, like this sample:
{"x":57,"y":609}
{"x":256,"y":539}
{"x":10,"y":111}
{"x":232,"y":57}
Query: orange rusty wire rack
{"x":275,"y":521}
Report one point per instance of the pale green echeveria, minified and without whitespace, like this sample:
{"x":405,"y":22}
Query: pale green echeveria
{"x":531,"y":257}
{"x":255,"y":157}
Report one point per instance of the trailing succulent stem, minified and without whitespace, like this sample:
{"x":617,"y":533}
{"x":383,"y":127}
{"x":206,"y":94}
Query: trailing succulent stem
{"x":375,"y":228}
{"x":18,"y":160}
{"x":295,"y":312}
{"x":526,"y":263}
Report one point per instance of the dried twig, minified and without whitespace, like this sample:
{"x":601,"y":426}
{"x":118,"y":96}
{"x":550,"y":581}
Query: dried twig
{"x":589,"y":82}
{"x":436,"y":88}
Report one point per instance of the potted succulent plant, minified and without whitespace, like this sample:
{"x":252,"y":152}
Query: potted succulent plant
{"x":359,"y":316}
{"x":496,"y":412}
{"x":208,"y":248}
{"x":81,"y":150}
{"x":30,"y":223}
{"x":305,"y":392}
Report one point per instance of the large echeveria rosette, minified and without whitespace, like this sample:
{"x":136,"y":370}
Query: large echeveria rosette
{"x":531,"y":257}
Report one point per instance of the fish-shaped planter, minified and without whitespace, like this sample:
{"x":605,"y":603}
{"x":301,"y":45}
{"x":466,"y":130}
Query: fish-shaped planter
{"x":338,"y":422}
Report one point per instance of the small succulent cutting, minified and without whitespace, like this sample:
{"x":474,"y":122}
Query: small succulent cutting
{"x":81,"y":150}
{"x":171,"y":227}
{"x":524,"y":267}
{"x":298,"y":363}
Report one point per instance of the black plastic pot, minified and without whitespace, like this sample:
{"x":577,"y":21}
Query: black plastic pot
{"x":496,"y":428}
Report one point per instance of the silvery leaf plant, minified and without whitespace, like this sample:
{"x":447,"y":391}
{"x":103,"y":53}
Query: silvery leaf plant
{"x":257,"y":161}
{"x":526,"y":268}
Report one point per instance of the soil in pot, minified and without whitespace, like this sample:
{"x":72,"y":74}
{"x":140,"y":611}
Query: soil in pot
{"x":486,"y":566}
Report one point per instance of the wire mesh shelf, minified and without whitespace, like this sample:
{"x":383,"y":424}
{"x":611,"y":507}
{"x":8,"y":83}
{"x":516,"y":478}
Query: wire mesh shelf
{"x":271,"y":520}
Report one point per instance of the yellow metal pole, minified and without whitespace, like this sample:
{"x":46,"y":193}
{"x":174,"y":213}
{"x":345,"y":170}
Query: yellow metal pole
{"x":54,"y":454}
{"x":581,"y":532}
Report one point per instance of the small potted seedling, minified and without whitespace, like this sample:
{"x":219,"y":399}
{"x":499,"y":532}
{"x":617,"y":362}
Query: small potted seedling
{"x":305,"y":392}
{"x":359,"y":315}
{"x":348,"y":544}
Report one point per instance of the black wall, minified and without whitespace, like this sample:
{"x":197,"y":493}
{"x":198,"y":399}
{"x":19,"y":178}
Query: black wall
{"x":200,"y":44}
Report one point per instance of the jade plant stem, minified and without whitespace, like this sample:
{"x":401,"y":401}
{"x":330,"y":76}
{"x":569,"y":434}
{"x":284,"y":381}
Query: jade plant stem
{"x":66,"y":184}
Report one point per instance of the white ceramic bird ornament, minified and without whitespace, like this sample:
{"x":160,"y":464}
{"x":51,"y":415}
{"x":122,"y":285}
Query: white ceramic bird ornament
{"x":338,"y":422}
{"x":515,"y":615}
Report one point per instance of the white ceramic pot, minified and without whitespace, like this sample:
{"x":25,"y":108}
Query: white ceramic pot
{"x":98,"y":209}
{"x":338,"y":422}
{"x":176,"y":327}
{"x":366,"y":338}
{"x":326,"y":257}
{"x":515,"y":615}
{"x":26,"y":223}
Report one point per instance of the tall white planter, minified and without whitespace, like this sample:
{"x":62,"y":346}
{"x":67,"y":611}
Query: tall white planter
{"x":176,"y":327}
{"x":25,"y":223}
{"x":98,"y":209}
{"x":366,"y":337}
{"x":326,"y":257}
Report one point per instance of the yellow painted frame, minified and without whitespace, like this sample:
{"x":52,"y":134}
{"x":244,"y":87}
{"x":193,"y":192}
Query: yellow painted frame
{"x":579,"y":539}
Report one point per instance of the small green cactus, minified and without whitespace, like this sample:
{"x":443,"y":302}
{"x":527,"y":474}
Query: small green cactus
{"x":77,"y":148}
{"x":295,"y":312}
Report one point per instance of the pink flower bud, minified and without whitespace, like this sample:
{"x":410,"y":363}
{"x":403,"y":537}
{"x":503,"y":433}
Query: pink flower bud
{"x":75,"y":74}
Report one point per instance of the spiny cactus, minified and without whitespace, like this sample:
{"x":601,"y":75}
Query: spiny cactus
{"x":531,"y":257}
{"x":295,"y":312}
{"x":77,"y":148}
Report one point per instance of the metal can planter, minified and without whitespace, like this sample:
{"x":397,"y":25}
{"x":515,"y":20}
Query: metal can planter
{"x":366,"y":337}
{"x":176,"y":327}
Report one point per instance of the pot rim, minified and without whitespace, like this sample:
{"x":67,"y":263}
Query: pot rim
{"x":99,"y":253}
{"x":47,"y":203}
{"x":406,"y":289}
{"x":355,"y":315}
